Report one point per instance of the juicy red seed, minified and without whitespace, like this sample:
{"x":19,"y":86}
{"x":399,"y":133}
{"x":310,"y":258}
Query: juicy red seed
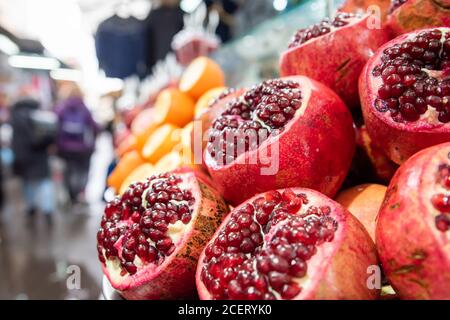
{"x":441,"y":202}
{"x":253,"y":266}
{"x":290,"y":291}
{"x":442,"y":222}
{"x":130,"y":268}
{"x":141,"y":250}
{"x":128,"y":255}
{"x":341,"y":19}
{"x":130,"y":243}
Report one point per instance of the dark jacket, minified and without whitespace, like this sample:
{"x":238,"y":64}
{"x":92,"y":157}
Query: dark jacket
{"x":31,"y":160}
{"x":77,"y":129}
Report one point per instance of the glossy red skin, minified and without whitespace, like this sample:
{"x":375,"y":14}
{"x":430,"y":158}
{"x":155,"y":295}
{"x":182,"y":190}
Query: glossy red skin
{"x":337,"y":58}
{"x":398,"y":140}
{"x":415,"y":255}
{"x":175,"y":278}
{"x":315,"y":151}
{"x":342,"y":272}
{"x":419,"y":14}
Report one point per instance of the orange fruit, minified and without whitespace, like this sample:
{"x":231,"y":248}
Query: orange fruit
{"x":126,"y":164}
{"x":140,"y":173}
{"x":204,"y":101}
{"x":143,"y":126}
{"x":127,"y":145}
{"x":161,"y":142}
{"x":169,"y":162}
{"x":184,"y":147}
{"x":364,"y":202}
{"x":201,"y":75}
{"x":174,"y":107}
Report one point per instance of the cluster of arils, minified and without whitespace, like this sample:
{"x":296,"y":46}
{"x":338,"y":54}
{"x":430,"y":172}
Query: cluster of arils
{"x":134,"y":228}
{"x":249,"y":119}
{"x":415,"y":77}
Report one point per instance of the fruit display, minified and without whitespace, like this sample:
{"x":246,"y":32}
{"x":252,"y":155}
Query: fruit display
{"x":413,"y":226}
{"x":328,"y":52}
{"x":300,"y":185}
{"x":405,"y":93}
{"x":409,"y":15}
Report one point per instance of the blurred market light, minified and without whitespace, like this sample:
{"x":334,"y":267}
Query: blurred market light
{"x":65,"y":74}
{"x":33,"y":62}
{"x":280,"y":5}
{"x":8,"y":46}
{"x":189,"y":6}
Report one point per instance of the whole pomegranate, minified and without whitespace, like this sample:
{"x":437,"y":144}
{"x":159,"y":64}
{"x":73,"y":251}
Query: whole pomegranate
{"x":290,"y":243}
{"x":405,"y":93}
{"x":329,"y":53}
{"x":151,"y":237}
{"x":413,"y":228}
{"x":281,"y":133}
{"x":410,"y":15}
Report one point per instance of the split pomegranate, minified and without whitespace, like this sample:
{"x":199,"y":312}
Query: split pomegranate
{"x":328,"y":52}
{"x":290,"y":243}
{"x":410,"y":15}
{"x":413,"y":228}
{"x":281,"y":133}
{"x":151,"y":237}
{"x":405,"y":93}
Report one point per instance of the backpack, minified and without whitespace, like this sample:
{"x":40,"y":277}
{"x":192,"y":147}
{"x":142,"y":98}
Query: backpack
{"x":76,"y":132}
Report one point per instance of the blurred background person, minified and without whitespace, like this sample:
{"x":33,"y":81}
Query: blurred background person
{"x":76,"y":136}
{"x":226,"y":10}
{"x":31,"y":155}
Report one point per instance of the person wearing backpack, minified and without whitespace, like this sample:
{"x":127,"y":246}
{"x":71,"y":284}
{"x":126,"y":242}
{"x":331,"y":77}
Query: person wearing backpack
{"x":76,"y":137}
{"x":30,"y":145}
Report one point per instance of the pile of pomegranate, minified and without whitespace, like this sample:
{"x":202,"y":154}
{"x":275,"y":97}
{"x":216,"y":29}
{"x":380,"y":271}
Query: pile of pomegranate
{"x":357,"y":106}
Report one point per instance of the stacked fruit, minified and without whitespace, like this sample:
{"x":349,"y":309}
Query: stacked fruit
{"x":160,"y":138}
{"x":279,"y":152}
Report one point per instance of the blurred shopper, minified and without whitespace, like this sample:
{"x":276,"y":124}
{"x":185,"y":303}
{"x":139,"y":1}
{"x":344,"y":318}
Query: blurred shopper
{"x":162,"y":24}
{"x":77,"y":131}
{"x":31,"y":157}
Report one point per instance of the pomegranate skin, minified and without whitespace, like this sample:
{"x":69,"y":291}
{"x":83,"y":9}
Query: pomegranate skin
{"x":413,"y":253}
{"x":399,"y":141}
{"x":315,"y":150}
{"x":361,"y":6}
{"x":336,"y":59}
{"x":339,"y":269}
{"x":175,"y":277}
{"x":418,"y":14}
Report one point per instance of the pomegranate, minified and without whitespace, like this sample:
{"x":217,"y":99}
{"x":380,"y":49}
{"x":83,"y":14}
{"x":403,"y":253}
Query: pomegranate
{"x":151,"y":237}
{"x":405,"y":93}
{"x":413,"y":228}
{"x":281,"y":133}
{"x":410,"y":15}
{"x":328,"y":52}
{"x":383,"y":168}
{"x":289,"y":243}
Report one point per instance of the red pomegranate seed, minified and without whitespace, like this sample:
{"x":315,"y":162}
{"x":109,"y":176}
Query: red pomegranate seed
{"x":441,"y":202}
{"x":442,"y":222}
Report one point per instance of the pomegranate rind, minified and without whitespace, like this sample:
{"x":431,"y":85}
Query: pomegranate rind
{"x":415,"y":255}
{"x":418,"y":14}
{"x":339,"y":269}
{"x":315,"y":150}
{"x":336,"y":59}
{"x":398,"y":140}
{"x":175,"y":277}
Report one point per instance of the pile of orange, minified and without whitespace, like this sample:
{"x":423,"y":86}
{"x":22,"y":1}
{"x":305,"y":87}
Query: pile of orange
{"x":160,"y":138}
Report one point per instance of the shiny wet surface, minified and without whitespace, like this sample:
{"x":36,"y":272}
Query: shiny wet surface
{"x":58,"y":260}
